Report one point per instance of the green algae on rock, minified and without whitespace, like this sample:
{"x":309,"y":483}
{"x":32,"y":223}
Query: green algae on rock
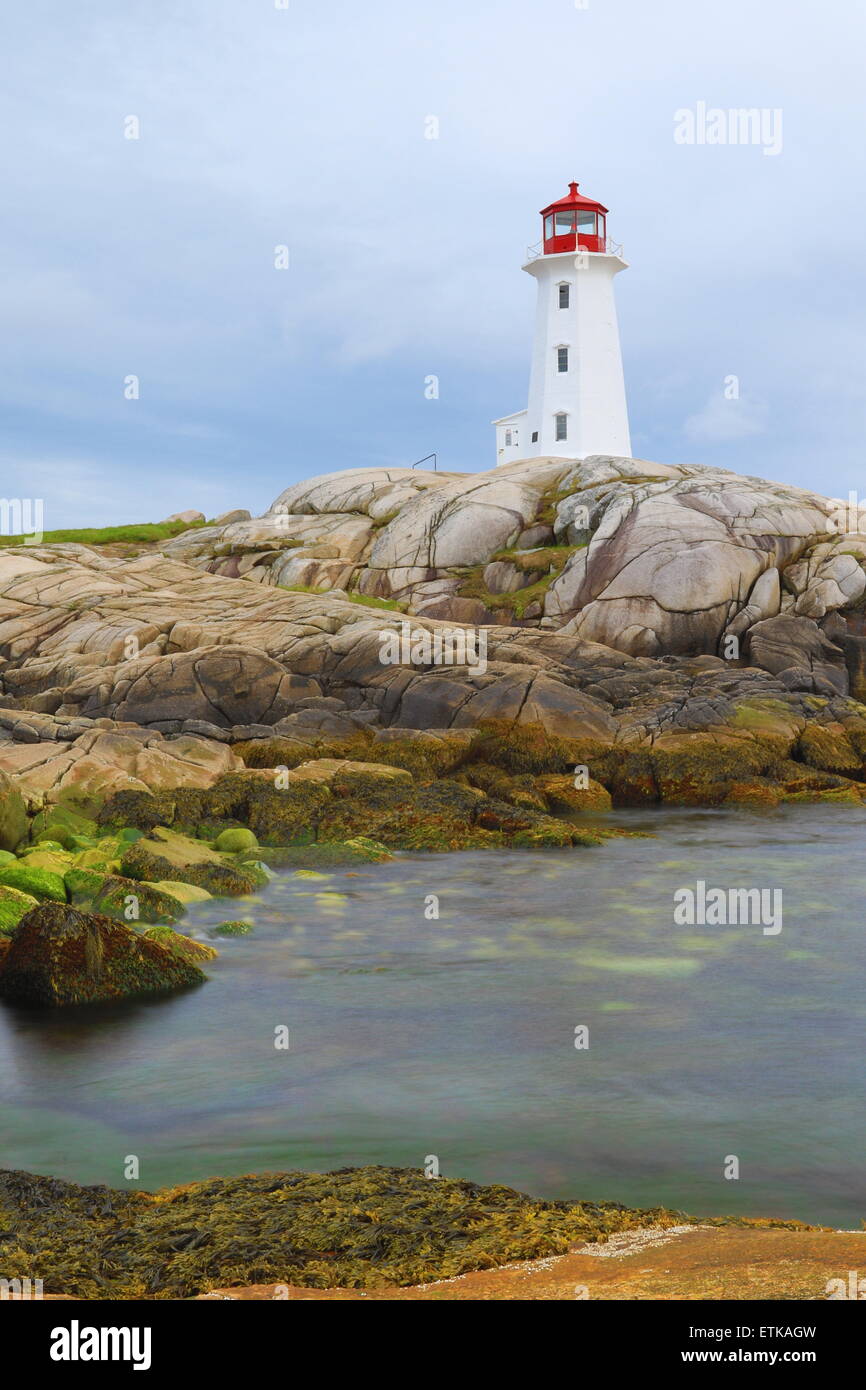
{"x":61,"y":956}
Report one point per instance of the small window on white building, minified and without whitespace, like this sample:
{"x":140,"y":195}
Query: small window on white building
{"x":563,"y":296}
{"x":535,"y":436}
{"x":561,"y":426}
{"x":507,"y":437}
{"x":562,"y":359}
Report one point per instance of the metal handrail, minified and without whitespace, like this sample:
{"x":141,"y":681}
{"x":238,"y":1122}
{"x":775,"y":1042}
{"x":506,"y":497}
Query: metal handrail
{"x":611,"y":248}
{"x":434,"y":457}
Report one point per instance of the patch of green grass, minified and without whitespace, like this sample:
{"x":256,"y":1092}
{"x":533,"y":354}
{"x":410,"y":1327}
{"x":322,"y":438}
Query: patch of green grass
{"x":365,"y":600}
{"x":549,"y":503}
{"x":547,"y":557}
{"x":136,"y":533}
{"x":551,"y":558}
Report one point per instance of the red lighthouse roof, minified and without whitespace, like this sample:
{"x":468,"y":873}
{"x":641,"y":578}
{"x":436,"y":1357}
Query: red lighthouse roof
{"x":575,"y":199}
{"x":573,"y":223}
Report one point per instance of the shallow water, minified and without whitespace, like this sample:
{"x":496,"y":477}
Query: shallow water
{"x":413,"y":1037}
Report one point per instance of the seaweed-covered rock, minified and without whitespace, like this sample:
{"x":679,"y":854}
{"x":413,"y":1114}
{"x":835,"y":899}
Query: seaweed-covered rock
{"x":183,"y":893}
{"x":525,"y":748}
{"x":184,"y":947}
{"x":828,"y":748}
{"x":370,"y":851}
{"x":134,"y":900}
{"x":167,"y":855}
{"x":320,"y":857}
{"x":82,"y":885}
{"x":103,"y":857}
{"x":13,"y":814}
{"x":61,"y":956}
{"x":64,"y":823}
{"x":52,"y":857}
{"x":232,"y":929}
{"x":358,"y":1227}
{"x":38,"y":882}
{"x":563,"y":796}
{"x":137,"y":810}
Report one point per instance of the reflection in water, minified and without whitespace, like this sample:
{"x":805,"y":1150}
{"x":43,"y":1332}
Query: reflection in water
{"x":456,"y":1036}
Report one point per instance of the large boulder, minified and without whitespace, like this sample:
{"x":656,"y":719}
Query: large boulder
{"x":797,"y":650}
{"x":670,"y":559}
{"x":462,"y":523}
{"x":671,"y":562}
{"x":61,"y":956}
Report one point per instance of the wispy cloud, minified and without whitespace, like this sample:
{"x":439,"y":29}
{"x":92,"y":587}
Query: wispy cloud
{"x":723,"y":420}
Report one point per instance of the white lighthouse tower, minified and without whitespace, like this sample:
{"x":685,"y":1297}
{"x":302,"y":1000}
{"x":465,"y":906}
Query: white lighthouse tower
{"x":576,"y":388}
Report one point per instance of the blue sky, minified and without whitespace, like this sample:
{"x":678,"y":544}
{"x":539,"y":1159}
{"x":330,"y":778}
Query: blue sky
{"x":305,"y":127}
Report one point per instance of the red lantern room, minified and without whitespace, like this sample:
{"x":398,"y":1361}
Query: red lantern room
{"x":574,"y":222}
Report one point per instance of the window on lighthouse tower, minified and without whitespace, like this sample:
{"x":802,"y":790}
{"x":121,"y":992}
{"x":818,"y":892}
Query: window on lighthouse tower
{"x":561,"y":426}
{"x":563,"y":296}
{"x":562,"y":359}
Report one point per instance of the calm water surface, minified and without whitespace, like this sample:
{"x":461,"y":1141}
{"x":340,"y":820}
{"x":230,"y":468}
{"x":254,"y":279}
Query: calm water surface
{"x":456,"y":1037}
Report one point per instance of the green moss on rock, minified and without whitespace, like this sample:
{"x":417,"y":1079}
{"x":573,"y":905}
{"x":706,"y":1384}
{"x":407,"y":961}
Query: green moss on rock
{"x":235,"y":841}
{"x":13,"y":906}
{"x":40,"y":883}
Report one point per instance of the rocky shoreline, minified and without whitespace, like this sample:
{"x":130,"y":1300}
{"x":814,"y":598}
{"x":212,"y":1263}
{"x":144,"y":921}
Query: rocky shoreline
{"x":180,"y":723}
{"x":93,"y":885}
